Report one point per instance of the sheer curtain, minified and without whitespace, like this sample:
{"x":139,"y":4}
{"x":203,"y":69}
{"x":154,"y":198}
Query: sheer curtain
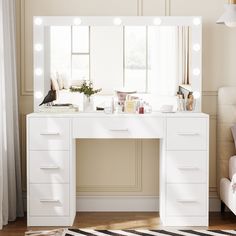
{"x":10,"y":173}
{"x":163,"y":60}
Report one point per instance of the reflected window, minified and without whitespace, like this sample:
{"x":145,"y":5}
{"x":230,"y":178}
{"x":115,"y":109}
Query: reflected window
{"x":80,"y":39}
{"x":60,"y":53}
{"x":80,"y":53}
{"x":135,"y":56}
{"x":70,"y":59}
{"x":80,"y":67}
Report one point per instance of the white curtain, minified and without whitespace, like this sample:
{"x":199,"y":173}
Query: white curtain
{"x":10,"y":172}
{"x":163,"y":60}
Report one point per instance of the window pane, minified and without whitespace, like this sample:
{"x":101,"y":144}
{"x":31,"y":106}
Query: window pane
{"x":60,"y":53}
{"x":135,"y":57}
{"x":80,"y":39}
{"x":80,"y":67}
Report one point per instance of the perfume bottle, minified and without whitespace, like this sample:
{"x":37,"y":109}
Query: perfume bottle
{"x":130,"y":105}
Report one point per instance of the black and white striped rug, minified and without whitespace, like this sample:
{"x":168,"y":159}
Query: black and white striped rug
{"x":89,"y":232}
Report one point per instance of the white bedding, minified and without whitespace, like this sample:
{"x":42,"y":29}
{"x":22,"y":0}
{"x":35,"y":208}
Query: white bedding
{"x":232,"y":167}
{"x":227,"y":195}
{"x":226,"y":166}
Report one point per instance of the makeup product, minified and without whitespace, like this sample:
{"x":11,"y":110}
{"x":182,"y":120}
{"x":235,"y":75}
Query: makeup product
{"x":190,"y":102}
{"x":130,"y":105}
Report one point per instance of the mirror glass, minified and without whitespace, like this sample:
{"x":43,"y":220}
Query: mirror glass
{"x":153,"y":60}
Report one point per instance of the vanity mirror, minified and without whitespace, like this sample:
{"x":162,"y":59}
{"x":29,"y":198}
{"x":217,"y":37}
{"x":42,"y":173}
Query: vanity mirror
{"x":151,"y":55}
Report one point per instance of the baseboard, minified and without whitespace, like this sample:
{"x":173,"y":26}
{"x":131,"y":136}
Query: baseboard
{"x":121,"y":203}
{"x":126,"y":203}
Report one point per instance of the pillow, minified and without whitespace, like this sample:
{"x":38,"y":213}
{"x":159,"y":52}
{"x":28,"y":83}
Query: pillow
{"x":54,"y":84}
{"x":60,"y":82}
{"x":232,"y":167}
{"x":233,"y":130}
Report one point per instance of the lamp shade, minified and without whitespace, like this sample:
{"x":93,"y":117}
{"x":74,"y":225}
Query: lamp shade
{"x":229,"y":16}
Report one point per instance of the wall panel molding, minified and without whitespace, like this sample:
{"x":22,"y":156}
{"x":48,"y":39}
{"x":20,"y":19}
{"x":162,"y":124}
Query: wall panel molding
{"x":167,"y":7}
{"x":23,"y":88}
{"x":210,"y":93}
{"x":137,"y":185}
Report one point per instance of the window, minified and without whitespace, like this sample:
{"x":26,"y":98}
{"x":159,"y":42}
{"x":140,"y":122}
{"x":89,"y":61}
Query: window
{"x":71,"y":58}
{"x":142,"y":58}
{"x":80,"y":53}
{"x":135,"y":55}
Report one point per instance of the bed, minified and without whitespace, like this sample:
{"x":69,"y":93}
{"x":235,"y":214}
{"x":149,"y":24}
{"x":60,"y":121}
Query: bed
{"x":226,"y":152}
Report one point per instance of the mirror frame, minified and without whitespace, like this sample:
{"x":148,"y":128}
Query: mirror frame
{"x":39,"y":23}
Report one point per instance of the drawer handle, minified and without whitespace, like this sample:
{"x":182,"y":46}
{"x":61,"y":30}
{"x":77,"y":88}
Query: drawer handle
{"x":187,"y":201}
{"x":188,"y":134}
{"x":187,"y":168}
{"x":49,"y":167}
{"x":49,"y":201}
{"x":119,"y":130}
{"x":50,"y":133}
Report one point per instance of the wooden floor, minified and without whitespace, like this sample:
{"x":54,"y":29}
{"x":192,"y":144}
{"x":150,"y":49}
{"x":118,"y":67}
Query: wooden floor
{"x":120,"y":220}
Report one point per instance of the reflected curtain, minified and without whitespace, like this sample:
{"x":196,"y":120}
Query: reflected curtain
{"x":10,"y":171}
{"x":163,"y":60}
{"x":184,"y":54}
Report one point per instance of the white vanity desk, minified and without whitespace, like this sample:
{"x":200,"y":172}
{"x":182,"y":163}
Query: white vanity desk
{"x":51,"y":182}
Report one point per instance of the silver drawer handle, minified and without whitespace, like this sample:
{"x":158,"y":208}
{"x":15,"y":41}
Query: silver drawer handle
{"x":187,"y":201}
{"x":49,"y":201}
{"x":188,"y":134}
{"x":187,"y":168}
{"x":49,"y":167}
{"x":50,"y":133}
{"x":119,"y":130}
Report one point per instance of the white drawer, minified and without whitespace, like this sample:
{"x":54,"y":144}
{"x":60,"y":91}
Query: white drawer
{"x":49,"y":199}
{"x":186,"y":133}
{"x":49,"y":166}
{"x":118,"y":127}
{"x":186,"y":200}
{"x":49,"y":134}
{"x":186,"y":166}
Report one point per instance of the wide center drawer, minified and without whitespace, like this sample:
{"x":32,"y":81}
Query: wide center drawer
{"x":186,"y":200}
{"x":186,"y":166}
{"x":122,"y":127}
{"x":49,"y":199}
{"x":49,"y":134}
{"x":187,"y":133}
{"x":49,"y":166}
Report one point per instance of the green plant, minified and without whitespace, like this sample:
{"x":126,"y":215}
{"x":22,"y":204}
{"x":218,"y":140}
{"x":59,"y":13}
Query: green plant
{"x":86,"y":88}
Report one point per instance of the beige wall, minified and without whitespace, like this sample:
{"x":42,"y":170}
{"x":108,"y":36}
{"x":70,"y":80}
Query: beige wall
{"x":133,"y":168}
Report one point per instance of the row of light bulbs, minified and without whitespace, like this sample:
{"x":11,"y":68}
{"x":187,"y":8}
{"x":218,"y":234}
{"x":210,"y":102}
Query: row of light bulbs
{"x":117,"y":21}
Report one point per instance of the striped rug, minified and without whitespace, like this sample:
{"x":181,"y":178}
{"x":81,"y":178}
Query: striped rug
{"x":83,"y":232}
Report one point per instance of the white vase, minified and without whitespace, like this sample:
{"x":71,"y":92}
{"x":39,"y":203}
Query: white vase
{"x":88,"y":103}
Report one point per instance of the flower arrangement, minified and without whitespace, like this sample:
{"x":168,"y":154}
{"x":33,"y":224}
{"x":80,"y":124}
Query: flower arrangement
{"x":86,"y":88}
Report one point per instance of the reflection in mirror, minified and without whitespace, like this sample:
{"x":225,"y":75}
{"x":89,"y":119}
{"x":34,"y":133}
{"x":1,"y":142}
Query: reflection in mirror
{"x":152,"y":60}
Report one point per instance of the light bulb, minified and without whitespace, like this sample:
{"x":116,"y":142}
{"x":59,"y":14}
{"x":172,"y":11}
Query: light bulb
{"x":117,"y":21}
{"x":196,"y":72}
{"x":196,"y":21}
{"x":196,"y":95}
{"x":38,"y":94}
{"x":157,"y":21}
{"x":196,"y":47}
{"x":77,"y":21}
{"x":38,"y":21}
{"x":38,"y":47}
{"x":38,"y":72}
{"x":230,"y":24}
